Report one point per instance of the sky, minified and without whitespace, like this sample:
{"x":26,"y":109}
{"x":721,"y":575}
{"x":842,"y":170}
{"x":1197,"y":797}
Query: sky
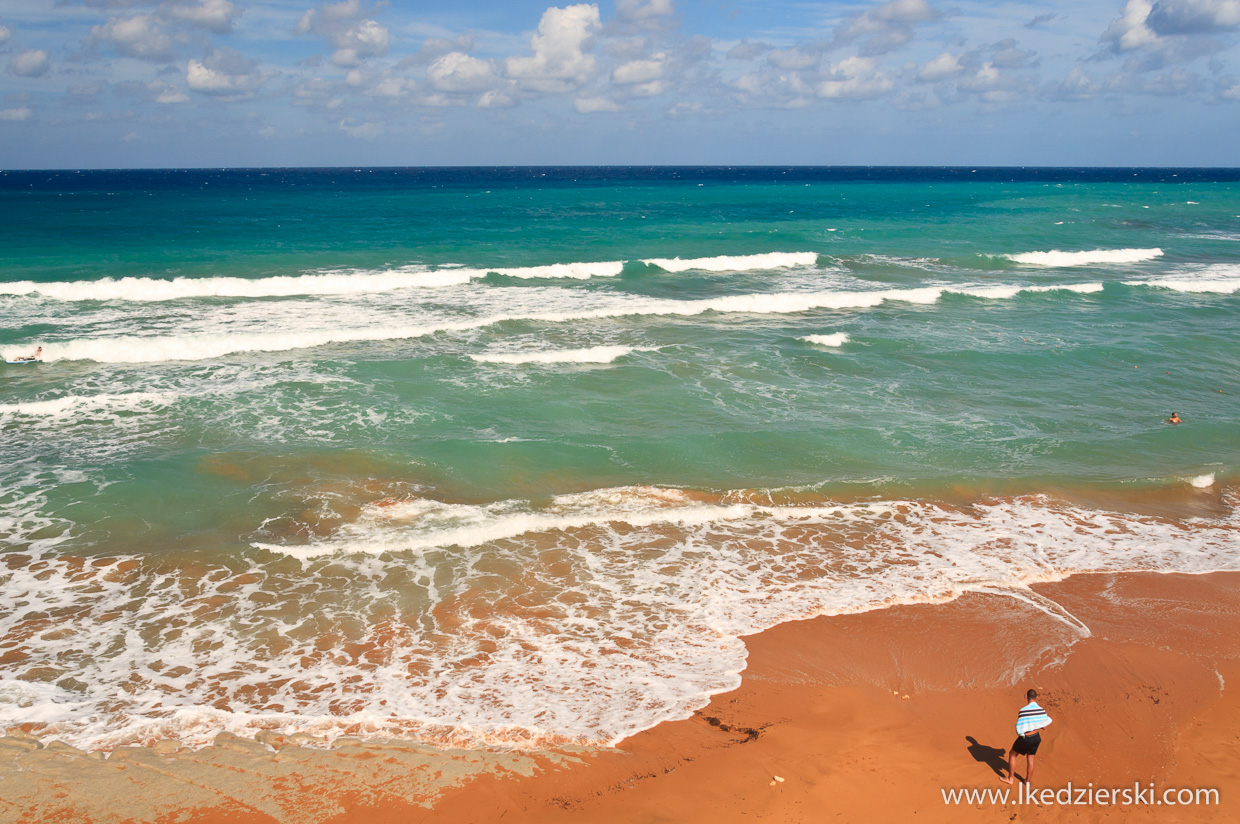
{"x":206,"y":83}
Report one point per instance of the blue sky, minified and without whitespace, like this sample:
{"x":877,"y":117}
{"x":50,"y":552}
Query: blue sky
{"x":140,"y":83}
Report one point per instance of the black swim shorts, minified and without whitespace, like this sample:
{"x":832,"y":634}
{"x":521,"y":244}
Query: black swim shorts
{"x":1027,"y":744}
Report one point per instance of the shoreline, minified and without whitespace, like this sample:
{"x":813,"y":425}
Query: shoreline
{"x":867,"y":715}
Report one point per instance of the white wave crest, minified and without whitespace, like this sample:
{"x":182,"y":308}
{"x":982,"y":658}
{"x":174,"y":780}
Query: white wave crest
{"x":735,"y":263}
{"x":1217,"y":278}
{"x":594,"y":354}
{"x":135,"y":349}
{"x":76,"y":406}
{"x":426,"y":524}
{"x":1215,"y":236}
{"x":154,"y":289}
{"x":1203,"y":481}
{"x":1004,"y":292}
{"x":341,"y":282}
{"x":1058,"y":258}
{"x":575,"y":271}
{"x":833,"y":339}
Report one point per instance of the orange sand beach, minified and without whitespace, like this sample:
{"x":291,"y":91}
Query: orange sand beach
{"x":867,"y":717}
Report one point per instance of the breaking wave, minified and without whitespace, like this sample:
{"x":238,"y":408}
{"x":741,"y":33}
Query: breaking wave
{"x":139,"y":349}
{"x":1058,"y":259}
{"x":834,"y":339}
{"x":735,"y":263}
{"x":585,"y":618}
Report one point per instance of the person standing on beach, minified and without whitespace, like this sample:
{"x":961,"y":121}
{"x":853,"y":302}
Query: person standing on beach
{"x":1029,"y":723}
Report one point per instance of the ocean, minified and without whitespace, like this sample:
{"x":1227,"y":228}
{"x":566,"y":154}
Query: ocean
{"x":516,"y":457}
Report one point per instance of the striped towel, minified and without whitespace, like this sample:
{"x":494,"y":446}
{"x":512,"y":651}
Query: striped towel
{"x":1031,"y":719}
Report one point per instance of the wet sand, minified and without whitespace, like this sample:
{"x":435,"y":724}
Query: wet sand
{"x":863,"y":717}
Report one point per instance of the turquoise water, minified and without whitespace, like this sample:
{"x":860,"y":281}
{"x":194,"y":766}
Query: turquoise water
{"x":416,"y":447}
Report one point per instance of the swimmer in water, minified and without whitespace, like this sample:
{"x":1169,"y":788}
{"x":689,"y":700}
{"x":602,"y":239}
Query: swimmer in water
{"x":1175,"y":418}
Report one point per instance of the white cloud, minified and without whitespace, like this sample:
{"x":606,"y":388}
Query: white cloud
{"x":593,"y":105}
{"x":342,"y":25}
{"x":1173,"y":83}
{"x":434,"y":48}
{"x":30,"y":63}
{"x":1129,"y":31}
{"x":855,"y":78}
{"x":5,"y":34}
{"x":15,"y":115}
{"x":772,"y":89}
{"x":390,"y":86}
{"x":162,"y":92}
{"x":140,"y":36}
{"x":984,"y":79}
{"x":1170,"y":31}
{"x":746,"y":50}
{"x":886,"y":27}
{"x":648,"y":15}
{"x":366,"y":39}
{"x":905,"y":11}
{"x":441,"y":101}
{"x":559,"y":62}
{"x":1132,"y":79}
{"x":495,"y":100}
{"x":225,"y":73}
{"x":795,"y":59}
{"x":1077,"y":85}
{"x":638,"y":71}
{"x":644,"y":9}
{"x":458,"y":72}
{"x":1194,"y":16}
{"x":312,"y":91}
{"x":213,"y":15}
{"x":365,"y":131}
{"x":1007,"y":56}
{"x":943,"y":67}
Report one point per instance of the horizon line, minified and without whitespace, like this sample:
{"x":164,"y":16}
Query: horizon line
{"x":353,"y":167}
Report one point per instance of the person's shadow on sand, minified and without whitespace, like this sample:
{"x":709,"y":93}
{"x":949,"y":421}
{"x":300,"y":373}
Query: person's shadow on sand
{"x":994,"y":757}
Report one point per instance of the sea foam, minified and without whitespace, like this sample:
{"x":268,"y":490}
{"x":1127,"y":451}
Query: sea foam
{"x":1059,"y":259}
{"x":1218,"y":278}
{"x":594,"y":354}
{"x":833,"y":339}
{"x":582,"y":619}
{"x":76,"y":406}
